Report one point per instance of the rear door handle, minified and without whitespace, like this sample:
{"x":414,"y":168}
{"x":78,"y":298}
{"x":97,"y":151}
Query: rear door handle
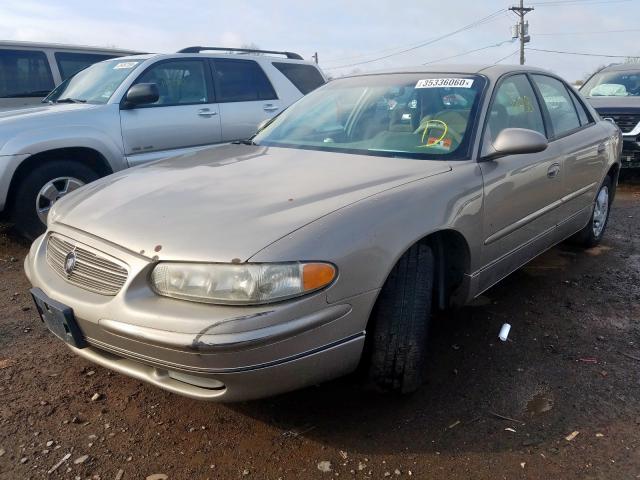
{"x":553,"y":170}
{"x":601,"y":148}
{"x":205,"y":112}
{"x":270,"y":107}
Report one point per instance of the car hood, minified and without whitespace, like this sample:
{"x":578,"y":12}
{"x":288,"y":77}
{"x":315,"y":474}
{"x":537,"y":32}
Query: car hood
{"x":228,"y":202}
{"x":30,"y":113}
{"x":608,"y":104}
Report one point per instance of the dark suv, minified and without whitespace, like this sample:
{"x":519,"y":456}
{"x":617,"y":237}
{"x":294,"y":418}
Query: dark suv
{"x":614,"y":91}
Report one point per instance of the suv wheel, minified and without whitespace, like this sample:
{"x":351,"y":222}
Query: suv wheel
{"x":401,"y":322}
{"x":592,"y":233}
{"x":43,"y":187}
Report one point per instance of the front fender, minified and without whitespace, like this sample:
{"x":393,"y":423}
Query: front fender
{"x":366,"y":239}
{"x":33,"y":141}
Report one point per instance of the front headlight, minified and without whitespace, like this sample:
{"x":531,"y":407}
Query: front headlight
{"x":239,"y":284}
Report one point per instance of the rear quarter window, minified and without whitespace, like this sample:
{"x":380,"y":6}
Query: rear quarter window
{"x":241,"y":81}
{"x":24,"y":73}
{"x":305,"y":77}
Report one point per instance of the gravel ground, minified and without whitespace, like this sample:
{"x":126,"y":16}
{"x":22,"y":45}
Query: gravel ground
{"x":559,"y":400}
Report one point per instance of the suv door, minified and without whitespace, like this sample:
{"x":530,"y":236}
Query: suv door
{"x":584,"y":147}
{"x":521,"y":192}
{"x":245,"y":95}
{"x":186,"y":114}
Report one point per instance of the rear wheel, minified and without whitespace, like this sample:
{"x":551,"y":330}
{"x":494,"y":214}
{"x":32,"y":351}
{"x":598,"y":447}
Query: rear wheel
{"x":41,"y":188}
{"x":400,"y":323}
{"x":592,"y":233}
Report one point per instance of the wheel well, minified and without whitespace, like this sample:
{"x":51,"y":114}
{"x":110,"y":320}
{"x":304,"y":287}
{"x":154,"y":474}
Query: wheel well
{"x":452,"y":260}
{"x":613,"y":173}
{"x":86,"y":156}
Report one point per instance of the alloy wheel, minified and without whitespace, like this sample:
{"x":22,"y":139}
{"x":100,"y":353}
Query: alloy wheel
{"x":601,"y":211}
{"x":52,"y":191}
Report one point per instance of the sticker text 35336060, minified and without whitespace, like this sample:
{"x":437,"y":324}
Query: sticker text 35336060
{"x":445,"y":82}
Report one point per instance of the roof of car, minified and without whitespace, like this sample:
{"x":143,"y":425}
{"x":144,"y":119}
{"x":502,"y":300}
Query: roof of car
{"x":61,"y":46}
{"x":491,"y":71}
{"x":620,"y":67}
{"x":240,"y":56}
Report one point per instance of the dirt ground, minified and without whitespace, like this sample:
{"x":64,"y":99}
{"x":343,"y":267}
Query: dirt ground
{"x":490,"y":410}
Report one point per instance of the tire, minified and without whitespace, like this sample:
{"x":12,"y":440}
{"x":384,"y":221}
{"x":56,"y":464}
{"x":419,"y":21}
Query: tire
{"x":592,"y":233}
{"x":398,"y":348}
{"x":24,"y":213}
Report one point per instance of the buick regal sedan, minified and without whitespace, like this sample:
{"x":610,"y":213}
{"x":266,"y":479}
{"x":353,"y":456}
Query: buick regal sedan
{"x":326,"y":242}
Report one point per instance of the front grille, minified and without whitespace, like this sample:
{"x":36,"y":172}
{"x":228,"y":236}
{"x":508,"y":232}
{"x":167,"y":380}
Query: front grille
{"x":93,"y":271}
{"x":625,"y":121}
{"x":630,"y":158}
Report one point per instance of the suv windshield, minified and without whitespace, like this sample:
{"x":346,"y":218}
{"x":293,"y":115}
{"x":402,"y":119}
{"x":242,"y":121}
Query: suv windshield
{"x":94,"y":84}
{"x":613,"y":84}
{"x":401,"y":115}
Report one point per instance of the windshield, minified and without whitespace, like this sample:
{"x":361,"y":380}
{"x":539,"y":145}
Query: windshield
{"x":94,"y":84}
{"x":402,"y":115}
{"x":613,"y":84}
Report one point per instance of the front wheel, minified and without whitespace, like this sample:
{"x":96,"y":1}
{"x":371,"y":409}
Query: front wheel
{"x":41,"y":189}
{"x":400,"y":323}
{"x":592,"y":233}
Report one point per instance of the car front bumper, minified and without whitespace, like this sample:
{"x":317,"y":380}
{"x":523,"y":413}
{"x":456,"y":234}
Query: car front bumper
{"x":8,"y":166}
{"x":630,"y":156}
{"x":207,"y":352}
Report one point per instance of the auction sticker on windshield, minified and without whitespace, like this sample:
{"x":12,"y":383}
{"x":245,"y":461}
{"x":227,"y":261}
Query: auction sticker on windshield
{"x":125,"y":65}
{"x":445,"y":82}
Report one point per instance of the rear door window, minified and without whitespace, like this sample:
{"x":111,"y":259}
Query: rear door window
{"x":70,"y":63}
{"x":582,"y":112}
{"x":241,"y":81}
{"x":24,"y":73}
{"x":305,"y":77}
{"x":562,"y":112}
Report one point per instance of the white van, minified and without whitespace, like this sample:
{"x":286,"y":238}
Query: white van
{"x":29,"y":71}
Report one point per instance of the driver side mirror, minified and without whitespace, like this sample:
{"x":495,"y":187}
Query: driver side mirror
{"x":516,"y":141}
{"x":141,"y":94}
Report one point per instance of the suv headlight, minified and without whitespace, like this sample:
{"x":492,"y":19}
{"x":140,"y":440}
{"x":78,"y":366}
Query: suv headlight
{"x":240,"y":284}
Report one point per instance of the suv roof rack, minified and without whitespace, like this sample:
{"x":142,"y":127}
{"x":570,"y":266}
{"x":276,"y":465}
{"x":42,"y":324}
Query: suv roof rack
{"x":291,"y":55}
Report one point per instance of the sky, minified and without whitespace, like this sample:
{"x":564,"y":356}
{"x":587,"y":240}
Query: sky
{"x":349,"y":35}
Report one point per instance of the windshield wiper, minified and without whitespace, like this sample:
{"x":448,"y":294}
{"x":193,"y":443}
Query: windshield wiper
{"x":70,"y":100}
{"x":244,"y":142}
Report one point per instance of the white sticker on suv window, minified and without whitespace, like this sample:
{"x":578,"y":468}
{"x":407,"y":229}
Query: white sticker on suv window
{"x":125,"y":65}
{"x":445,"y":82}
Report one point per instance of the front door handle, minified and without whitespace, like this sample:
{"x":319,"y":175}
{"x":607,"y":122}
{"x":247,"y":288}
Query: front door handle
{"x":205,"y":112}
{"x":553,"y":170}
{"x":270,"y":107}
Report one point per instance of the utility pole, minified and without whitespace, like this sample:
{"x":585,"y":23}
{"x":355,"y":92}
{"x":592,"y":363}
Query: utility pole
{"x":315,"y":57}
{"x":521,"y":30}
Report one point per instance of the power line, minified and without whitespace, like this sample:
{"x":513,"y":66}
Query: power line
{"x":504,"y":58}
{"x":560,"y":3}
{"x":468,"y":52}
{"x":593,"y":32}
{"x":580,"y":53}
{"x":397,"y":47}
{"x":424,"y":44}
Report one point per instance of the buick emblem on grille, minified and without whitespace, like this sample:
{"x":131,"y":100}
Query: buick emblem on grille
{"x":70,"y":262}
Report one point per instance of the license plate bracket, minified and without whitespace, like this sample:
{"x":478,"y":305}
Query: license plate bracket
{"x":58,"y":318}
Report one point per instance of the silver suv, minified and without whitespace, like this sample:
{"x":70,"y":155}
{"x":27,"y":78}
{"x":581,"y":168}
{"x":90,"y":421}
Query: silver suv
{"x":123,"y":112}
